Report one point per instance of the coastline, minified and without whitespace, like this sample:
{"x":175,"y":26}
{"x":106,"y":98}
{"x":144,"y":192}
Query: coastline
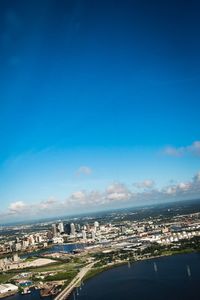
{"x":97,"y":270}
{"x":102,"y":269}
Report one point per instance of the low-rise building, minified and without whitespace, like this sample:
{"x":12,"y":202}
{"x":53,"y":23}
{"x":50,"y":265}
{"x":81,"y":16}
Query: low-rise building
{"x":7,"y":290}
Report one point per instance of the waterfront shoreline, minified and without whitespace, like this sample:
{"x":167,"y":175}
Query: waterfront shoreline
{"x":118,"y":264}
{"x":94,"y":272}
{"x":160,"y":275}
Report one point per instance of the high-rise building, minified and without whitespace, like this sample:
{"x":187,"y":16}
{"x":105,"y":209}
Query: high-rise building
{"x":54,"y":230}
{"x":67,"y":229}
{"x":31,"y":240}
{"x":88,"y":228}
{"x":49,"y":235}
{"x":78,"y":227}
{"x":122,"y":229}
{"x":11,"y":245}
{"x":61,"y":227}
{"x":72,"y":229}
{"x":25,"y":244}
{"x":84,"y":235}
{"x":38,"y":239}
{"x":93,"y":234}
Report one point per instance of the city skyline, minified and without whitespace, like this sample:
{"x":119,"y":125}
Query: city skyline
{"x":99,"y":105}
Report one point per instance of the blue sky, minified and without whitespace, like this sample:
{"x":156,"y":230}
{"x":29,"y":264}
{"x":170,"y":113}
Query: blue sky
{"x":98,"y":96}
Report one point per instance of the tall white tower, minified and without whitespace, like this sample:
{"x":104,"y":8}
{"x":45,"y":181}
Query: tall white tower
{"x":72,"y":229}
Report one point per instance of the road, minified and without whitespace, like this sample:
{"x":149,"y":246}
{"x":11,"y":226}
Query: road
{"x":67,"y":291}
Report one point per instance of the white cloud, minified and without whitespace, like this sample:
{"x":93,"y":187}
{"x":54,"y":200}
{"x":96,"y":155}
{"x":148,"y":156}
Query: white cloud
{"x":196,"y":178}
{"x":184,"y":186}
{"x":84,"y":170}
{"x":48,"y":204}
{"x":17,"y":207}
{"x":172,"y":151}
{"x":80,"y":195}
{"x":146,"y":184}
{"x":188,"y":189}
{"x":178,"y":188}
{"x":193,"y":149}
{"x":77,"y":198}
{"x":85,"y":198}
{"x":170,"y":190}
{"x":117,"y":192}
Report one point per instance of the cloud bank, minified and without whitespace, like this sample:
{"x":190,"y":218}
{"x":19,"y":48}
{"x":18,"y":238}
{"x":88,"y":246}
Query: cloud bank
{"x":115,"y":195}
{"x":193,"y":149}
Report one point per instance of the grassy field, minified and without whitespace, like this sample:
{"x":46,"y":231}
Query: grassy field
{"x":67,"y":275}
{"x":178,"y":251}
{"x":5,"y":277}
{"x":64,"y":270}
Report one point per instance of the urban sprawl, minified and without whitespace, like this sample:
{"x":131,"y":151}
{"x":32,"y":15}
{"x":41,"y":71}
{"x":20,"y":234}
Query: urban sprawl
{"x":56,"y":257}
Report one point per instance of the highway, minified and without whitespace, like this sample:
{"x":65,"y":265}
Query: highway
{"x":67,"y":291}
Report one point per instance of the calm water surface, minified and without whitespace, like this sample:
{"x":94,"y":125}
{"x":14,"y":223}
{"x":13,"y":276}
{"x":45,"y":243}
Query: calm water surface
{"x":167,"y":278}
{"x":35,"y":295}
{"x":68,"y":248}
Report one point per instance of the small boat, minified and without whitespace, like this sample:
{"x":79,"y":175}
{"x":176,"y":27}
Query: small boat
{"x":188,"y":271}
{"x":155,"y":267}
